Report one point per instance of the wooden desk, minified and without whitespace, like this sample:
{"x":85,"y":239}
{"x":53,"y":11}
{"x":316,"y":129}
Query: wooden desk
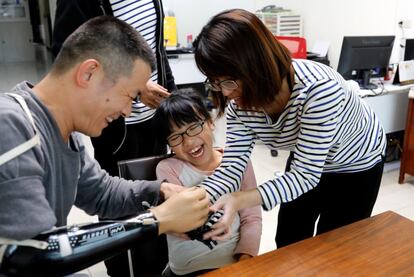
{"x":381,"y":245}
{"x":407,"y":158}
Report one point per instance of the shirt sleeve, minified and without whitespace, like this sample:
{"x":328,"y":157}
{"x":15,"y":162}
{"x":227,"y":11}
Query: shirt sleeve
{"x":24,"y":209}
{"x":167,"y":170}
{"x":239,"y":145}
{"x":318,"y":127}
{"x":250,"y":219}
{"x":111,"y":197}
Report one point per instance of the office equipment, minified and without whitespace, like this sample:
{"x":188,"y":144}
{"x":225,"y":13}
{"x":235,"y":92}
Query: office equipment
{"x":407,"y":158}
{"x":365,"y":57}
{"x":409,"y":49}
{"x":382,"y":245}
{"x":281,"y":22}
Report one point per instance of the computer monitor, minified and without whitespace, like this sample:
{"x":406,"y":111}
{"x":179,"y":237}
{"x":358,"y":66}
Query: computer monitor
{"x":365,"y":57}
{"x":409,"y":49}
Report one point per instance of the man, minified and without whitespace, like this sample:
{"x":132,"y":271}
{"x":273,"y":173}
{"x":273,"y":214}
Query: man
{"x":131,"y":137}
{"x":101,"y":68}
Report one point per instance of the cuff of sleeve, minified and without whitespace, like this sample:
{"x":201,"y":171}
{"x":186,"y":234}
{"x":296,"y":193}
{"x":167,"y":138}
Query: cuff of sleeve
{"x":149,"y":222}
{"x":266,"y":205}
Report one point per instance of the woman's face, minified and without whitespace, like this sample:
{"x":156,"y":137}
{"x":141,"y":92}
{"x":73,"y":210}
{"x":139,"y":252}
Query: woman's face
{"x":232,"y":92}
{"x":197,"y":143}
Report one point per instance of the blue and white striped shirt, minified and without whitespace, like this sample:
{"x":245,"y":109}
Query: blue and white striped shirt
{"x":140,"y":14}
{"x":325,"y":124}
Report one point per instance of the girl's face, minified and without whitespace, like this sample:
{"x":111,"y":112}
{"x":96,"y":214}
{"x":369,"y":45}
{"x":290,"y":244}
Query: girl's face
{"x":196,"y":145}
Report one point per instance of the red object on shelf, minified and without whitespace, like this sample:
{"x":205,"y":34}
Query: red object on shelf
{"x":296,"y":46}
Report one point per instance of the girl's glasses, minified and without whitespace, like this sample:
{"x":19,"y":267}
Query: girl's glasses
{"x":193,"y":130}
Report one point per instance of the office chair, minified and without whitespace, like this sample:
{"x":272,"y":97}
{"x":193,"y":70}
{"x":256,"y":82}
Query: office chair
{"x":296,"y":46}
{"x":154,"y":253}
{"x":140,"y":168}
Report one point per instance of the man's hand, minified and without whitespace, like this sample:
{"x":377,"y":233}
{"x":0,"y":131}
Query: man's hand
{"x":183,"y":211}
{"x":153,"y":94}
{"x":169,"y":189}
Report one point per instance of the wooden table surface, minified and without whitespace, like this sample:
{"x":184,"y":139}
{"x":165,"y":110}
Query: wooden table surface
{"x":382,"y":245}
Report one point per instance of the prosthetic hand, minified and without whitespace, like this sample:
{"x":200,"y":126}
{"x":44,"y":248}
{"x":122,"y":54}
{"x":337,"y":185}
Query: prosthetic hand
{"x":70,"y":249}
{"x":197,"y":234}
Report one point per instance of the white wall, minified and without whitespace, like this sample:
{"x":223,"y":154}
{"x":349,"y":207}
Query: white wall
{"x":193,"y":15}
{"x":326,"y":20}
{"x":331,"y":20}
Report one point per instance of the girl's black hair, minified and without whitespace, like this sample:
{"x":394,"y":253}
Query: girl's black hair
{"x":182,"y":107}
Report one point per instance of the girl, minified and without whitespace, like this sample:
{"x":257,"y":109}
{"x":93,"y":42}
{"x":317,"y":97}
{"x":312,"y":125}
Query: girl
{"x":185,"y":123}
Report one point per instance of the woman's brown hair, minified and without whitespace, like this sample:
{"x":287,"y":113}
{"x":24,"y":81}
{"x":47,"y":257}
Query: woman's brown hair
{"x":236,"y":44}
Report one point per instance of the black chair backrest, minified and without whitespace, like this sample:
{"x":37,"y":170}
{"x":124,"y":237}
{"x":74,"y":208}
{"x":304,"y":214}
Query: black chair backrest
{"x":140,"y":168}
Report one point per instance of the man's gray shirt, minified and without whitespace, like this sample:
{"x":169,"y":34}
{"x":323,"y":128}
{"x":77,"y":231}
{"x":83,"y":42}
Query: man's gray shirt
{"x":39,"y":187}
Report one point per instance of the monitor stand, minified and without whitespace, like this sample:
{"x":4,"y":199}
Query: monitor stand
{"x":366,"y":76}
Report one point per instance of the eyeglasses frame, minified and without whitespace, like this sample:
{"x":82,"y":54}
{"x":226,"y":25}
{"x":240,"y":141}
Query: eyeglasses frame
{"x":181,"y":135}
{"x":218,"y":86}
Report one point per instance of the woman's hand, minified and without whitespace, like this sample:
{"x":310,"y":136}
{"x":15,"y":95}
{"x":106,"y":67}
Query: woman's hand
{"x":222,"y":229}
{"x":153,"y":94}
{"x":231,"y":204}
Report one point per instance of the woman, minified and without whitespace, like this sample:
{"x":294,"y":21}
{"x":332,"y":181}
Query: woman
{"x":336,"y":141}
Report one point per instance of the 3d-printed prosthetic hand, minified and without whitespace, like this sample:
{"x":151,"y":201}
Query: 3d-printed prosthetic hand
{"x":197,"y":234}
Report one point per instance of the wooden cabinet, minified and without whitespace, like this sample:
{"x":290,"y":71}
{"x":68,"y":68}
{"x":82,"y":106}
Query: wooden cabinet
{"x":407,"y":158}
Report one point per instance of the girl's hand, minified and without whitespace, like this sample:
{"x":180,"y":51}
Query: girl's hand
{"x":241,"y":257}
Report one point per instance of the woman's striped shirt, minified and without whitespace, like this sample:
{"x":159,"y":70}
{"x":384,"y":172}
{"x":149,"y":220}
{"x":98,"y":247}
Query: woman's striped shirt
{"x":325,"y":124}
{"x":142,"y":15}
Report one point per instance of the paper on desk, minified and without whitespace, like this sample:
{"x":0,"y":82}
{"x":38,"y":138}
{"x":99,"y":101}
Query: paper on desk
{"x":406,"y":69}
{"x":321,"y":47}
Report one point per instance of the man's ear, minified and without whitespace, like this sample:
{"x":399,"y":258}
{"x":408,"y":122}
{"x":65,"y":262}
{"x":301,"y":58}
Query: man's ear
{"x":87,"y":71}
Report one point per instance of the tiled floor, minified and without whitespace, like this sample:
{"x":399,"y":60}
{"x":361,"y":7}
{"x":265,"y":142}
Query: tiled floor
{"x":392,"y":196}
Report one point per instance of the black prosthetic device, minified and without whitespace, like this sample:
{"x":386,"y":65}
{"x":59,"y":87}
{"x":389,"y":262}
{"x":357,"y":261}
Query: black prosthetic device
{"x":70,"y":249}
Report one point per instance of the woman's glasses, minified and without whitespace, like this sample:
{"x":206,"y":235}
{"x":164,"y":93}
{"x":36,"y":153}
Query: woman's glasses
{"x":191,"y":131}
{"x":219,"y":86}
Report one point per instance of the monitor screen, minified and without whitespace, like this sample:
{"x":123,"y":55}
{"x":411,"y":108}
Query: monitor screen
{"x":365,"y":57}
{"x":409,"y":49}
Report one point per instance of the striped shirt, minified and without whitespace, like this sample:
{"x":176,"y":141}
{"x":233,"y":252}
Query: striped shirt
{"x":140,"y":14}
{"x":325,"y":124}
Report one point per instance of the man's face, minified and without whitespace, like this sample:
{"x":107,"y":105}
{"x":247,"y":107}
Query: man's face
{"x":114,"y":99}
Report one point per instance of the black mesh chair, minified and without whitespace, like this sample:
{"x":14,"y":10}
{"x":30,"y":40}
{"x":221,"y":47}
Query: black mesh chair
{"x":144,"y":259}
{"x":140,"y":168}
